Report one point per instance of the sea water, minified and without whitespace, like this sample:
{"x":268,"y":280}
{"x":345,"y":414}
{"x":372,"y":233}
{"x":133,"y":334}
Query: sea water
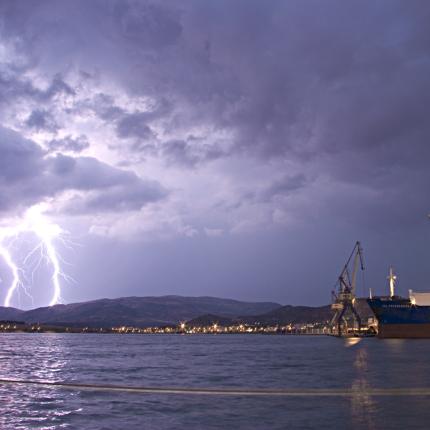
{"x":245,"y":362}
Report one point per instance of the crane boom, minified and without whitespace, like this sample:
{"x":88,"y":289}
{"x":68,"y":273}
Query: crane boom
{"x":344,"y":302}
{"x":357,"y":258}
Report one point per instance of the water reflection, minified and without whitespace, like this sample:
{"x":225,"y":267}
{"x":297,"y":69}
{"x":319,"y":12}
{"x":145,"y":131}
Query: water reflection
{"x":363,"y":406}
{"x":396,"y":345}
{"x":53,"y":355}
{"x":272,"y":362}
{"x":44,"y":359}
{"x":351,"y":341}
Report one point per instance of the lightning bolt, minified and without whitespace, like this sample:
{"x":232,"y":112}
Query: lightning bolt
{"x":36,"y":223}
{"x":52,"y":256}
{"x":15,"y":273}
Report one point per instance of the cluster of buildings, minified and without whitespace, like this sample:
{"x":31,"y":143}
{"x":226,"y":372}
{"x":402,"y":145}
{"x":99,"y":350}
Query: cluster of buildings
{"x":12,"y":326}
{"x":181,"y":328}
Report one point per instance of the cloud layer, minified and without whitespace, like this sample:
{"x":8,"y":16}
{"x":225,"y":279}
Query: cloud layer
{"x":216,"y":119}
{"x":29,"y":175}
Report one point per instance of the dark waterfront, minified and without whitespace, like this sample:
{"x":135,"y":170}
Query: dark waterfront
{"x":268,"y":362}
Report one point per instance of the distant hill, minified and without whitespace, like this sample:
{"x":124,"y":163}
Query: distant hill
{"x":10,"y":314}
{"x":291,"y":314}
{"x":170,"y":310}
{"x":137,"y":311}
{"x":210,"y":319}
{"x":304,"y":314}
{"x":284,"y":315}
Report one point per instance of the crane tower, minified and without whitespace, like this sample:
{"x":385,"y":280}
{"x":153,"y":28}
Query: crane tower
{"x":346,"y":318}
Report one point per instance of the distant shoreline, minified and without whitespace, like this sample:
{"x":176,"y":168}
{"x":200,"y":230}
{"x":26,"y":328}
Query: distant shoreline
{"x":19,"y":327}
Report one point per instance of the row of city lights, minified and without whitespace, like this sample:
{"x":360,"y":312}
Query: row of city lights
{"x":216,"y":328}
{"x":182,"y":328}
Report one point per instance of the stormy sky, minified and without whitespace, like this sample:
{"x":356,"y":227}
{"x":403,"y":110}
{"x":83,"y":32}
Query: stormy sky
{"x":226,"y":148}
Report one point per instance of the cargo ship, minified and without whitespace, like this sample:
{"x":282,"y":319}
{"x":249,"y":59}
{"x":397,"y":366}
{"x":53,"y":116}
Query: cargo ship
{"x":400,"y":317}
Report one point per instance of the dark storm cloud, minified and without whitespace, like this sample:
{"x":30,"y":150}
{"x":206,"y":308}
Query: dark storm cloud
{"x":179,"y":152}
{"x":312,"y":111}
{"x":69,"y":143}
{"x":148,"y":25}
{"x":352,"y":87}
{"x":19,"y":157}
{"x":283,"y":82}
{"x":129,"y":196}
{"x":336,"y":88}
{"x":57,"y":86}
{"x":14,"y":86}
{"x":188,"y":153}
{"x":41,"y":120}
{"x":134,"y":125}
{"x":104,"y":106}
{"x":346,"y":96}
{"x":28,"y":176}
{"x":281,"y":188}
{"x":284,"y":187}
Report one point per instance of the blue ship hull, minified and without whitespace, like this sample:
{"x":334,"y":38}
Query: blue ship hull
{"x":399,"y":318}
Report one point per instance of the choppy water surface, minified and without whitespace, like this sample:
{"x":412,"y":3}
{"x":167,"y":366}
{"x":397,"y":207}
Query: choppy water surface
{"x":220,"y":361}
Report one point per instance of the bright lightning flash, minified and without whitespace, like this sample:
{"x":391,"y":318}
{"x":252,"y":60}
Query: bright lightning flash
{"x":15,"y":273}
{"x":34,"y":221}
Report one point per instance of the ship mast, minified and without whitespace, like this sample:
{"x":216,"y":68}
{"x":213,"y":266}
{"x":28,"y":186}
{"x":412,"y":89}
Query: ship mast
{"x":392,"y":278}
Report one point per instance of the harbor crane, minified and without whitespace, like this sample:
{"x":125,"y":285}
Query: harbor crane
{"x":344,"y":300}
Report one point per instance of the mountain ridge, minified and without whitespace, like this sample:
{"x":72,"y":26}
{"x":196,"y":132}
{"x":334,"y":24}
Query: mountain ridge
{"x":137,"y":311}
{"x":170,"y":310}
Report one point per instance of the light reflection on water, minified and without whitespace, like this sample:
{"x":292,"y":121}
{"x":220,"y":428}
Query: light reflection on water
{"x":351,"y":341}
{"x":232,"y":361}
{"x":363,"y":406}
{"x":31,"y":406}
